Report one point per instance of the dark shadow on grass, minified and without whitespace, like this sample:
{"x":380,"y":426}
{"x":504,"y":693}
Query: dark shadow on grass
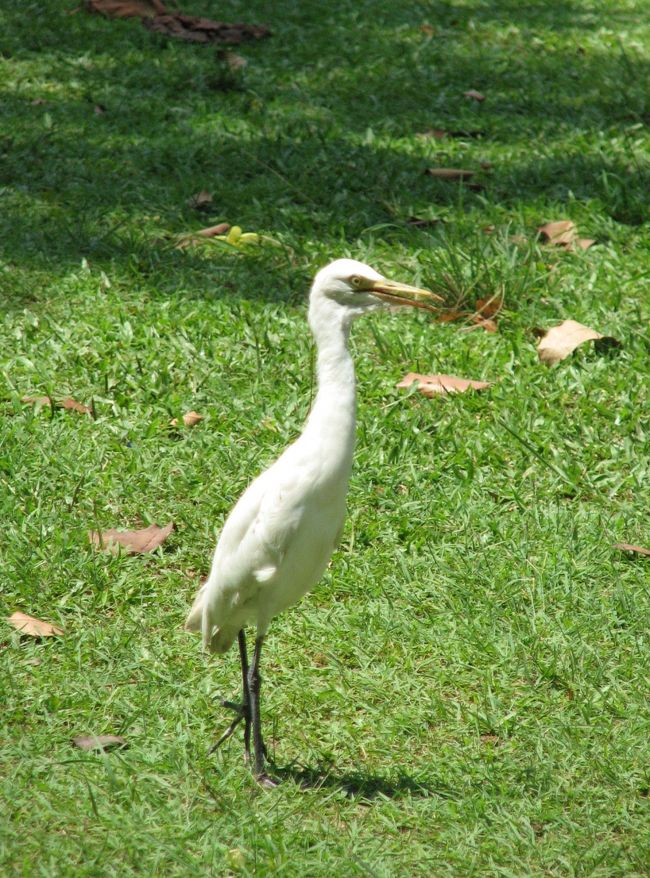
{"x":359,"y":784}
{"x":101,"y":186}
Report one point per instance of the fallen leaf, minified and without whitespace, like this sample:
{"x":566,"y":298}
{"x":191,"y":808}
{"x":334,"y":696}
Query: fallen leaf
{"x":100,"y":742}
{"x":67,"y":403}
{"x":201,"y":200}
{"x":126,"y":8}
{"x":561,"y":233}
{"x":584,"y":243}
{"x":451,"y":315}
{"x":145,"y":540}
{"x":449,"y":173}
{"x":190,"y":419}
{"x":99,"y":109}
{"x":427,"y":29}
{"x":38,"y":102}
{"x":188,"y":238}
{"x":479,"y":323}
{"x":560,"y":341}
{"x":32,"y":627}
{"x":475,"y":95}
{"x":436,"y":133}
{"x":194,"y":29}
{"x":630,"y":547}
{"x":232,"y":61}
{"x":433,"y":385}
{"x":489,"y":306}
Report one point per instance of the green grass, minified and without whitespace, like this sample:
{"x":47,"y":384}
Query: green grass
{"x":465,"y":693}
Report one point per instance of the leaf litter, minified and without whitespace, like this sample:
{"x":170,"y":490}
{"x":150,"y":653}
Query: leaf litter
{"x":560,"y":341}
{"x":147,"y":539}
{"x":631,"y":547}
{"x":563,"y":233}
{"x":190,"y":419}
{"x":100,"y":743}
{"x":32,"y":627}
{"x":155,"y":16}
{"x":436,"y":385}
{"x":67,"y":403}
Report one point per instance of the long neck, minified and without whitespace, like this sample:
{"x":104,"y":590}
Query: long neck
{"x":333,"y":415}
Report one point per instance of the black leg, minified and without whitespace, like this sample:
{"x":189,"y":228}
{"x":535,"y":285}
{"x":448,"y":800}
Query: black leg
{"x":243,"y":710}
{"x":246,"y":697}
{"x":254,"y":684}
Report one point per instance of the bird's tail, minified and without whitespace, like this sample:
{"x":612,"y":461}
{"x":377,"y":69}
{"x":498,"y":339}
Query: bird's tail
{"x":199,"y":619}
{"x":194,"y":621}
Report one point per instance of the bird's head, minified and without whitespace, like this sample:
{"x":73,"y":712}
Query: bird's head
{"x":357,"y":289}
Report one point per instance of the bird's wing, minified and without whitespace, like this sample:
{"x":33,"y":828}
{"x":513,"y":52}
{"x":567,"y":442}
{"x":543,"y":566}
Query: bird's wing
{"x":258,"y":532}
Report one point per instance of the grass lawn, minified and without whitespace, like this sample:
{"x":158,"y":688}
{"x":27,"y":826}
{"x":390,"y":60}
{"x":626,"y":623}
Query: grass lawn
{"x":466,"y":691}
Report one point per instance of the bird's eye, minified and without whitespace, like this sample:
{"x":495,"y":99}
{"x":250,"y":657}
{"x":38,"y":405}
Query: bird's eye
{"x":355,"y":281}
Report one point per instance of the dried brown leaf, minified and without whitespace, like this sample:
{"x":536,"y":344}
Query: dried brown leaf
{"x":186,"y":240}
{"x":190,"y":419}
{"x":489,"y":306}
{"x":474,"y":95}
{"x":630,"y":547}
{"x":435,"y":133}
{"x":450,"y":173}
{"x":451,"y":315}
{"x":233,"y":61}
{"x":203,"y":30}
{"x":144,"y":540}
{"x":561,"y":233}
{"x":584,"y":243}
{"x":562,"y":340}
{"x":434,"y":385}
{"x":32,"y":627}
{"x":201,"y":200}
{"x":100,"y":742}
{"x":67,"y":403}
{"x":126,"y":8}
{"x":479,"y":323}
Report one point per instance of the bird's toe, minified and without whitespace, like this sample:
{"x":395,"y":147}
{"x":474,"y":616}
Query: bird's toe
{"x":266,"y":782}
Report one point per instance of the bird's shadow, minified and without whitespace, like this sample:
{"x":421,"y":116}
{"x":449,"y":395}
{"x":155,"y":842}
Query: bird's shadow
{"x":359,"y":784}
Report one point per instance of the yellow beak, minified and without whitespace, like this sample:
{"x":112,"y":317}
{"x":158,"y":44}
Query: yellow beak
{"x":403,"y":294}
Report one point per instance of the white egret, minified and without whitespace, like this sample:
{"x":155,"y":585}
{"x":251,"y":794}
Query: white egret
{"x":280,"y":535}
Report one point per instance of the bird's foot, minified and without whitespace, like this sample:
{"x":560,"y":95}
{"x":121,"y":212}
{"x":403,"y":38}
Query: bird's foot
{"x":241,"y":712}
{"x":266,"y":782}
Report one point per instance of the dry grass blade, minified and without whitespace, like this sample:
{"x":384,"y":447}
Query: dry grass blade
{"x":131,"y":541}
{"x":32,"y":627}
{"x":562,"y":340}
{"x":100,"y":743}
{"x":434,"y":385}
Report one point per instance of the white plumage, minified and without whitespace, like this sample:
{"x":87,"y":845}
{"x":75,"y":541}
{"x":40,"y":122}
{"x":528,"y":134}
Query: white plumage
{"x":280,"y":535}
